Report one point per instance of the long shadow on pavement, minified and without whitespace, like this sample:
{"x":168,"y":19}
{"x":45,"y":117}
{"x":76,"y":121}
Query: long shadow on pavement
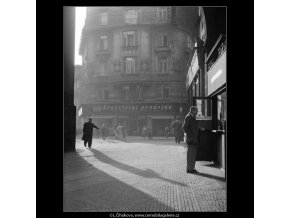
{"x":148,"y":173}
{"x":98,"y":191}
{"x":210,"y":176}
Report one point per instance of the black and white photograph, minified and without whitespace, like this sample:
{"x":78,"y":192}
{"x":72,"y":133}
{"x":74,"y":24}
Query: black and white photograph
{"x":145,"y":109}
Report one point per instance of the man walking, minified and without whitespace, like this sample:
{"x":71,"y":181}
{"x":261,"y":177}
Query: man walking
{"x":191,"y":127}
{"x":149,"y":131}
{"x":144,"y":131}
{"x":88,"y":133}
{"x":166,"y":131}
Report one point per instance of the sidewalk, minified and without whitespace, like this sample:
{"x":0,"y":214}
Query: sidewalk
{"x":139,"y":176}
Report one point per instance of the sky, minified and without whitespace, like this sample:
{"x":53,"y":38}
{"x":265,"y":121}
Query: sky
{"x":80,"y":20}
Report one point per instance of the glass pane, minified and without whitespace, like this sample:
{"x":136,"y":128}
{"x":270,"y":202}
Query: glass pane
{"x":197,"y":86}
{"x":204,"y":108}
{"x":130,"y":40}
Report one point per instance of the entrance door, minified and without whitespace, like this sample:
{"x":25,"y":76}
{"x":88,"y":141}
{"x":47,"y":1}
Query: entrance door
{"x":207,"y":150}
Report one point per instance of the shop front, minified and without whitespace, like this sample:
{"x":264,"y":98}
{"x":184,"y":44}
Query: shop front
{"x":134,"y":116}
{"x":210,"y":99}
{"x":216,"y":91}
{"x":196,"y":97}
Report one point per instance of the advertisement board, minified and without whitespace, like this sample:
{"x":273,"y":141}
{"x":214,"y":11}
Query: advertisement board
{"x":217,"y":74}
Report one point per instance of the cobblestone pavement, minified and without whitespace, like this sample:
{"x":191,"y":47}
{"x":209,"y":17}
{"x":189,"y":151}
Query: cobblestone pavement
{"x":138,"y":176}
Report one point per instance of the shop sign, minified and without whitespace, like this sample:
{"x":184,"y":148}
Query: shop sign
{"x":217,"y":74}
{"x":129,"y":108}
{"x":192,"y":70}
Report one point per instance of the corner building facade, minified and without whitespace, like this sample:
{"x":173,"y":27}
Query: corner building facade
{"x":134,"y":62}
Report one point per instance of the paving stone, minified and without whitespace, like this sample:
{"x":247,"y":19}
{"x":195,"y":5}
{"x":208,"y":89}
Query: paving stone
{"x":137,"y":176}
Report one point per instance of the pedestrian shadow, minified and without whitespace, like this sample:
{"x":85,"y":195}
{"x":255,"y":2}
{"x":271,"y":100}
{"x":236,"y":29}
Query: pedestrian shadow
{"x":148,"y":173}
{"x":111,"y":141}
{"x":93,"y":195}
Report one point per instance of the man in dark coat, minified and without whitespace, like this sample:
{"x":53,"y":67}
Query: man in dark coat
{"x":191,"y":128}
{"x":88,"y":133}
{"x":149,"y":131}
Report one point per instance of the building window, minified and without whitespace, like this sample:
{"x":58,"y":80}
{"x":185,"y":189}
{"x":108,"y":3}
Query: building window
{"x":130,"y":65}
{"x":125,"y":93}
{"x":103,"y":42}
{"x":162,"y":14}
{"x":164,"y":41}
{"x":129,"y":38}
{"x":139,"y":93}
{"x":103,"y":68}
{"x":104,"y":18}
{"x":131,"y":17}
{"x":165,"y":93}
{"x":162,"y":64}
{"x":106,"y":94}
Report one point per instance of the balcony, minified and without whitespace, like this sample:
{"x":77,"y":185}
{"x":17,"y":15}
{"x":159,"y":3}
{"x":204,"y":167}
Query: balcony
{"x":163,"y":49}
{"x":129,"y":47}
{"x":137,"y":78}
{"x":129,"y":50}
{"x":103,"y":52}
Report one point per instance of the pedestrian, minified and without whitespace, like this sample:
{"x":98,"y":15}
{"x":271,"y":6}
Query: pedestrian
{"x":178,"y":133}
{"x":191,"y":128}
{"x":144,"y":131}
{"x":149,"y":131}
{"x":120,"y":131}
{"x":104,"y":132}
{"x":88,"y":133}
{"x":124,"y":130}
{"x":166,"y":131}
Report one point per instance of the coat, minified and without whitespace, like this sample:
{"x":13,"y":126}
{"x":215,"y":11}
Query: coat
{"x":88,"y":131}
{"x":191,"y":128}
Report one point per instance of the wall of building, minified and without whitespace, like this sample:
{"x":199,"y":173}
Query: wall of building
{"x":147,"y":50}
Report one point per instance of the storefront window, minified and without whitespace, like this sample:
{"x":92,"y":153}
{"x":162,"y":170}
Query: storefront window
{"x":197,"y":87}
{"x":193,"y":90}
{"x":222,"y":111}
